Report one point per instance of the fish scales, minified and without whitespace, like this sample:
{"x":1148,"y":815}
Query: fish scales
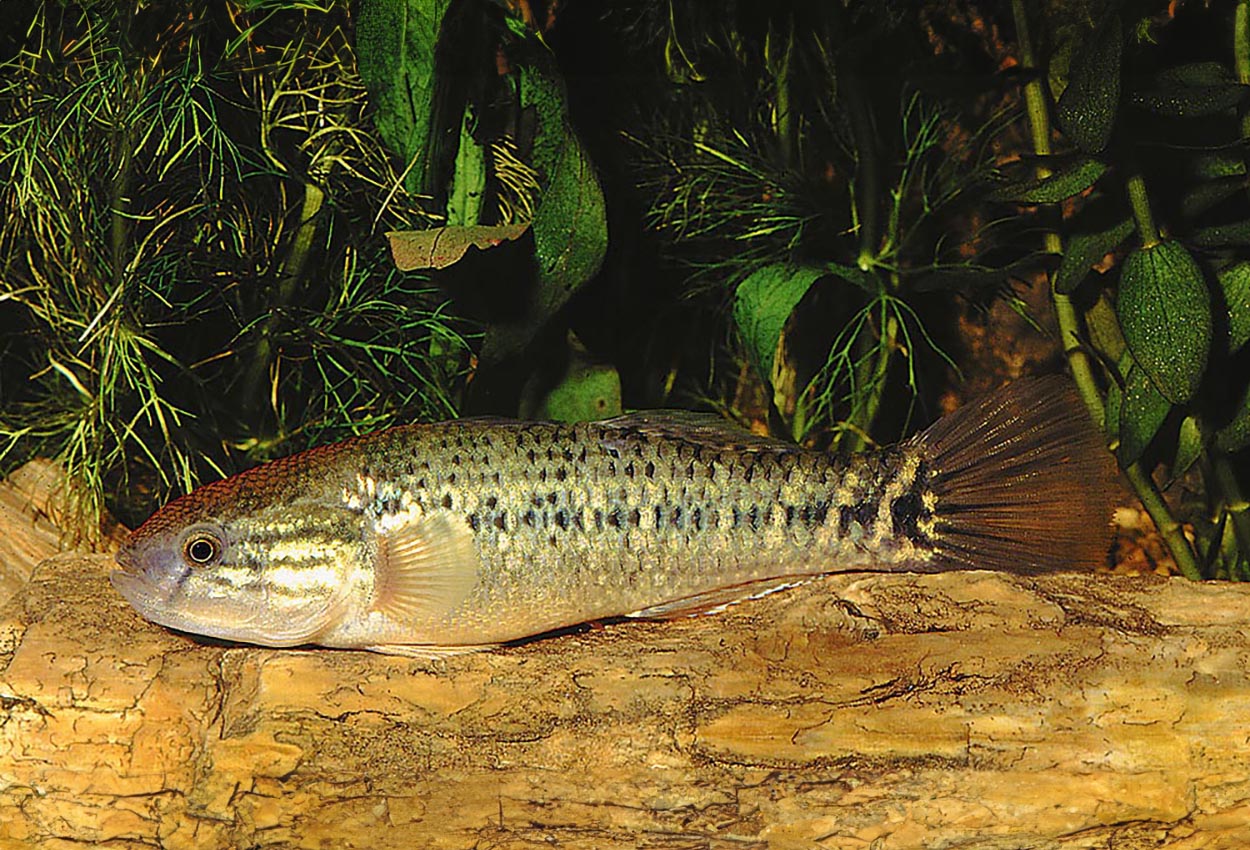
{"x":426,"y":539}
{"x":585,"y":522}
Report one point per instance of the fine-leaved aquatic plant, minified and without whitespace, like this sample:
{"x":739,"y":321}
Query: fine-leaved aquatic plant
{"x":191,"y":279}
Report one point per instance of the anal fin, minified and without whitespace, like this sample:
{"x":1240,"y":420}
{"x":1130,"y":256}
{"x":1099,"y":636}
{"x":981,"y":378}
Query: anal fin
{"x":717,"y":600}
{"x":428,"y":652}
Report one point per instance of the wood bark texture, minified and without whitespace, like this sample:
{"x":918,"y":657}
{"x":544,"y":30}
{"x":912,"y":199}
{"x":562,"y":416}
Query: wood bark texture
{"x":969,"y":710}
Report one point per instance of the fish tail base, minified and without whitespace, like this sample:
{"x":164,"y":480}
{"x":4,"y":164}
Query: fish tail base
{"x":1020,"y":481}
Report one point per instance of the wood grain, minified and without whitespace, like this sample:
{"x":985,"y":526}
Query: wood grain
{"x":862,"y":711}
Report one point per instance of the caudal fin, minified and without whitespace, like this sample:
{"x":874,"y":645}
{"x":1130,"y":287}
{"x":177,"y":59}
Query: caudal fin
{"x":1021,"y":481}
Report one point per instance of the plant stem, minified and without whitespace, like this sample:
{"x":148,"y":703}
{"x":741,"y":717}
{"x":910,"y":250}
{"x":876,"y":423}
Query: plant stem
{"x":1068,"y":318}
{"x":867,"y":179}
{"x":289,"y":275}
{"x":1241,"y":54}
{"x":1140,"y":203}
{"x":1065,"y":312}
{"x":870,"y":385}
{"x":884,"y":354}
{"x":1169,"y":529}
{"x":784,"y":120}
{"x":1234,"y":502}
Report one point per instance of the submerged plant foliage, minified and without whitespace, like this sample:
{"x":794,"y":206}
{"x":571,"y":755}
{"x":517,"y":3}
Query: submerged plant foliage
{"x":192,"y":279}
{"x":1151,"y":164}
{"x":802,"y":158}
{"x":785,"y":211}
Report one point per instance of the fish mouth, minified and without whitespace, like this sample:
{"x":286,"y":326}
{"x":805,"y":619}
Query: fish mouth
{"x":144,"y":585}
{"x":136,"y":586}
{"x":157,"y":604}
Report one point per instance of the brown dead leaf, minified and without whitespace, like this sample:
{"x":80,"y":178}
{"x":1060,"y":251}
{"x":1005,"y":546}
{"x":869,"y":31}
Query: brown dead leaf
{"x":440,"y":247}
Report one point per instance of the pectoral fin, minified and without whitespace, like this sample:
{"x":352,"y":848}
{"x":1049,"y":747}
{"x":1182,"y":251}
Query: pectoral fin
{"x":425,"y":567}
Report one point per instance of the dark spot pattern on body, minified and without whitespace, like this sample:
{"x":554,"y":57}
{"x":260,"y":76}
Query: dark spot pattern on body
{"x":865,"y":512}
{"x":908,"y":510}
{"x":820,"y":512}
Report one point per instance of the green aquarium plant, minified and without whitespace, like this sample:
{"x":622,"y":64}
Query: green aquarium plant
{"x":1147,"y":162}
{"x":804,"y":162}
{"x":470,"y":96}
{"x":191,"y":280}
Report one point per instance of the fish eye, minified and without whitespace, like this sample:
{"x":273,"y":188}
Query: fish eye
{"x":201,"y":548}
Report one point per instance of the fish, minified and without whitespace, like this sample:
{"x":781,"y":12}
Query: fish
{"x":428,"y":540}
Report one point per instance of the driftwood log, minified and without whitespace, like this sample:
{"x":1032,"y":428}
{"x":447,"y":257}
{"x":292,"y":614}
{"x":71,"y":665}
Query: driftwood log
{"x":968,"y":710}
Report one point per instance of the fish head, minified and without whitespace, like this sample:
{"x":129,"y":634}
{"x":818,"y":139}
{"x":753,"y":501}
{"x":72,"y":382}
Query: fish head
{"x":277,"y":574}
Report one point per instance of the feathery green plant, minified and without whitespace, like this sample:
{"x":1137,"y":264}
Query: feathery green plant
{"x":807,"y":186}
{"x":191,"y":281}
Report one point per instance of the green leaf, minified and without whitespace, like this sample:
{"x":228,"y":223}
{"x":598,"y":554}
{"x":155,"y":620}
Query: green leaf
{"x":1209,"y":193}
{"x":1190,"y":91}
{"x":1222,"y":235}
{"x":1235,"y":281}
{"x":1085,"y":249}
{"x":762,"y":304}
{"x":1088,"y":106}
{"x":1235,"y":436}
{"x":1064,"y":183}
{"x":468,"y":180}
{"x":585,"y":392}
{"x":1195,"y":74}
{"x":542,"y":95}
{"x":1115,"y":401}
{"x":1188,"y":446}
{"x":570,"y":225}
{"x":1165,"y":311}
{"x":395,"y":43}
{"x":584,"y":395}
{"x":1142,"y":411}
{"x":866,"y":281}
{"x":1210,"y":166}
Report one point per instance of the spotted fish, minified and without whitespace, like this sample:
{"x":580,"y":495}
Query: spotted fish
{"x":426,"y":540}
